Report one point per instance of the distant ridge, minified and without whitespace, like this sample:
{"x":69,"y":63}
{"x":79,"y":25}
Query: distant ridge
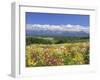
{"x":57,"y":30}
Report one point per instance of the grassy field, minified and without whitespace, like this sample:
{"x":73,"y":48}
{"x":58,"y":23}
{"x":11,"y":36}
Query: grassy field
{"x":48,"y":51}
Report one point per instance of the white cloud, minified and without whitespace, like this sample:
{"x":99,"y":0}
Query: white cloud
{"x":68,"y":27}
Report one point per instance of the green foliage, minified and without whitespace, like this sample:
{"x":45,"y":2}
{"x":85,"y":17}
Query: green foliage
{"x":54,"y":40}
{"x":39,"y":40}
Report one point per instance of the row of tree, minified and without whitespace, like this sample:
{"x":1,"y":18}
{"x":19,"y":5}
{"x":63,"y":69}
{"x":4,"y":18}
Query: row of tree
{"x":54,"y":40}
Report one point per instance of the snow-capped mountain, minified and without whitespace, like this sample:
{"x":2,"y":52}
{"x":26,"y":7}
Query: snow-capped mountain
{"x":57,"y":30}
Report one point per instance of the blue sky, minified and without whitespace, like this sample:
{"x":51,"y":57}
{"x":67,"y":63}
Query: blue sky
{"x":57,"y":19}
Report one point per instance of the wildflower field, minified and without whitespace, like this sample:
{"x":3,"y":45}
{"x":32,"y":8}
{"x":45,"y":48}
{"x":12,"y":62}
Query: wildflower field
{"x":57,"y":54}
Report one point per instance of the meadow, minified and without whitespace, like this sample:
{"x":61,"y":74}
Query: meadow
{"x":56,"y":51}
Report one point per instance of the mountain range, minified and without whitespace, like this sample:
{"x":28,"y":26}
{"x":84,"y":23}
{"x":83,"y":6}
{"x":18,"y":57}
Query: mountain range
{"x":57,"y":30}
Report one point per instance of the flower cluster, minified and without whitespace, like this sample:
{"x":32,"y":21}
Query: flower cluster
{"x":57,"y":54}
